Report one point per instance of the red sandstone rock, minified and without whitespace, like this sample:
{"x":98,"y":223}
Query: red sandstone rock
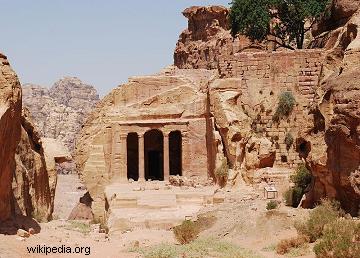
{"x":10,"y":113}
{"x":332,"y":151}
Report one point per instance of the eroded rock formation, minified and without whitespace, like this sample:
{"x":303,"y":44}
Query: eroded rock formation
{"x":27,"y":181}
{"x":10,"y":129}
{"x":34,"y":182}
{"x":334,"y":152}
{"x":207,"y":38}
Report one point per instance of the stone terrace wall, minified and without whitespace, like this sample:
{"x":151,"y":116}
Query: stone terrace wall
{"x":270,"y":73}
{"x":299,"y":70}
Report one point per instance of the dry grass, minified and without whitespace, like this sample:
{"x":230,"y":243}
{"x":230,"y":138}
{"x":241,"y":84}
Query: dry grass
{"x":286,"y":245}
{"x":341,"y":239}
{"x":320,"y":216}
{"x":197,"y":249}
{"x":187,"y":232}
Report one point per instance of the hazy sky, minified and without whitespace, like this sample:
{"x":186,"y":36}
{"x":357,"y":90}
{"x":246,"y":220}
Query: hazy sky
{"x":102,"y":42}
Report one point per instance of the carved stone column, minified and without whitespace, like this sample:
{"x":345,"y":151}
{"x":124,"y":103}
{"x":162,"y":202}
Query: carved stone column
{"x":123,"y":158}
{"x":141,"y":158}
{"x":166,"y":157}
{"x":115,"y":153}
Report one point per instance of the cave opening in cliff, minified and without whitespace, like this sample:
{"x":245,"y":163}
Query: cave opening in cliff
{"x":154,"y":155}
{"x":132,"y":145}
{"x":175,"y":153}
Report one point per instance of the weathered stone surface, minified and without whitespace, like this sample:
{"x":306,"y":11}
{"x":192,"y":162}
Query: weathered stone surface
{"x":10,"y":128}
{"x":340,"y":13}
{"x":24,"y":178}
{"x":33,"y":185}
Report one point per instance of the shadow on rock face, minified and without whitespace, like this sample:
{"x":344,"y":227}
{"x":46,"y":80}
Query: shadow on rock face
{"x":11,"y":226}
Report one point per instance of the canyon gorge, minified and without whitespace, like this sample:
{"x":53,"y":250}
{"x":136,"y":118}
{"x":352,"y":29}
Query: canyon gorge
{"x":163,"y":147}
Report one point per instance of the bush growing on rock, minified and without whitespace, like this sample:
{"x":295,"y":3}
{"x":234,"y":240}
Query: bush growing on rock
{"x":285,"y":106}
{"x":302,"y":178}
{"x":340,"y":239}
{"x":186,"y":232}
{"x":323,"y":214}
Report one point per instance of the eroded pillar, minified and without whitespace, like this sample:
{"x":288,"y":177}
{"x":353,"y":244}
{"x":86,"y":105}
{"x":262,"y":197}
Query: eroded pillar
{"x":141,"y":158}
{"x":166,"y":157}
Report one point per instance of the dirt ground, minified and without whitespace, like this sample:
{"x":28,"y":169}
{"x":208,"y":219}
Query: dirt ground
{"x":241,"y":220}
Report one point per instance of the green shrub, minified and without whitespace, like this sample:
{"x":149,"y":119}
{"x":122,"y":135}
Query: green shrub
{"x":285,"y":106}
{"x":271,"y":205}
{"x":289,"y":140}
{"x":222,"y":173}
{"x":302,"y":178}
{"x":323,"y":214}
{"x":340,"y":240}
{"x":186,"y":232}
{"x":288,"y":196}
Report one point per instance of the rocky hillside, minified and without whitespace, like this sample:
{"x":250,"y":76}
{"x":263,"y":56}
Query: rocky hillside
{"x":60,"y":111}
{"x":326,"y":135}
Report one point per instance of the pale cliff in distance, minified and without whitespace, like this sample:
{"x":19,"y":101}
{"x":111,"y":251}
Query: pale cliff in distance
{"x":59,"y":112}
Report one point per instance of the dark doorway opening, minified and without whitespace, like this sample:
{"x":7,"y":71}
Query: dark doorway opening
{"x":175,"y":153}
{"x":154,"y":155}
{"x":132,"y":144}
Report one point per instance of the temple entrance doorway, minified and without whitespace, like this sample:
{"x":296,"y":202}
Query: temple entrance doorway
{"x":175,"y":153}
{"x":132,"y":144}
{"x":154,"y":155}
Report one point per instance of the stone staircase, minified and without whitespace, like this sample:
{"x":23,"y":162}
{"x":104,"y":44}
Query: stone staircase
{"x":154,"y":204}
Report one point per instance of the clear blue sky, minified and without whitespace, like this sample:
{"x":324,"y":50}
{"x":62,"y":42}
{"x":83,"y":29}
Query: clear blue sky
{"x":102,"y":42}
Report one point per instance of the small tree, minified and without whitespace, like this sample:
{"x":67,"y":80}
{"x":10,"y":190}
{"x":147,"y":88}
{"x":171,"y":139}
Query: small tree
{"x":285,"y":21}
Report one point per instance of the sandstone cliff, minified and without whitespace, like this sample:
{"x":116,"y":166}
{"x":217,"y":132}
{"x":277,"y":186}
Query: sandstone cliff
{"x":10,"y":129}
{"x":34,"y":183}
{"x":27,"y":181}
{"x":334,"y":153}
